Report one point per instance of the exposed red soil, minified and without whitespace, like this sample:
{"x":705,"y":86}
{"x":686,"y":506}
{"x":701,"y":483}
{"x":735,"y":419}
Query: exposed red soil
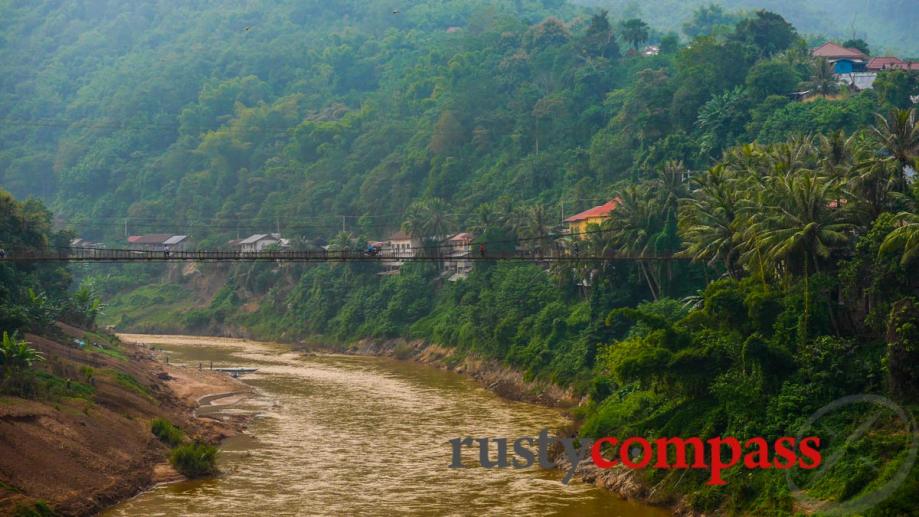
{"x":80,"y":455}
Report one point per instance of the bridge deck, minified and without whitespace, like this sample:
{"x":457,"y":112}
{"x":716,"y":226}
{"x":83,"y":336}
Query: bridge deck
{"x":432,"y":255}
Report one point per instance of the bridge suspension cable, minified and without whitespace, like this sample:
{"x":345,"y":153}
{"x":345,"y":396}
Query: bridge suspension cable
{"x":73,"y":254}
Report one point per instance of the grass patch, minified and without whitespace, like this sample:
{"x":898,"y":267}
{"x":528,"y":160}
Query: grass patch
{"x":36,"y":509}
{"x":9,"y":488}
{"x":109,"y":345}
{"x":52,"y":386}
{"x":166,"y":432}
{"x":195,"y":460}
{"x":150,"y":308}
{"x":131,"y":384}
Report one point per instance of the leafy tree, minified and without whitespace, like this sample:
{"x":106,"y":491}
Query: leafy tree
{"x":771,"y":78}
{"x":16,"y":360}
{"x":670,"y":43}
{"x":721,"y":120}
{"x":635,"y":32}
{"x":599,"y":39}
{"x":709,"y":19}
{"x":897,"y":87}
{"x":823,"y":79}
{"x":448,"y":134}
{"x":767,"y":33}
{"x":905,"y":238}
{"x":550,"y":33}
{"x":859,"y":44}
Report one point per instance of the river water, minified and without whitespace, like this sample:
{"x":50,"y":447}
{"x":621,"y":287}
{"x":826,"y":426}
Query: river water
{"x":345,"y":435}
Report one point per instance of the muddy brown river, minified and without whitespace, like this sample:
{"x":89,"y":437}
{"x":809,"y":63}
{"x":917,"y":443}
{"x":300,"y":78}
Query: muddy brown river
{"x":345,"y":435}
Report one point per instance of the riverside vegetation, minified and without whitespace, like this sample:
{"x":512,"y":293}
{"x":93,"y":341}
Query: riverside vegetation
{"x":799,"y":217}
{"x":75,"y":402}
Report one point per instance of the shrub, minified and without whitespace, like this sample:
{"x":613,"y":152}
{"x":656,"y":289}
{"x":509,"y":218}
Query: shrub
{"x":195,"y":460}
{"x":16,"y":359}
{"x":37,"y":509}
{"x":166,"y":432}
{"x":403,"y":351}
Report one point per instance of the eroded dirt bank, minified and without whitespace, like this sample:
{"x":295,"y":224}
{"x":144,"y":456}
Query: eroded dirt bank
{"x":86,"y":444}
{"x":498,"y":378}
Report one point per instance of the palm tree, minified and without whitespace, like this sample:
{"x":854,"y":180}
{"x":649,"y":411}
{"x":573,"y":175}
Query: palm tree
{"x":835,"y":153}
{"x":537,"y":228}
{"x":671,"y":186}
{"x":898,"y":133}
{"x":709,"y":221}
{"x":635,"y":32}
{"x":798,"y":228}
{"x":905,"y":237}
{"x":429,"y":222}
{"x":634,"y":229}
{"x":873,"y":185}
{"x":823,"y":79}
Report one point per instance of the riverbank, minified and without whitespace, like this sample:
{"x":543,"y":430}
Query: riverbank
{"x":511,"y":384}
{"x":316,"y":409}
{"x":493,"y":376}
{"x":85,"y":443}
{"x":490,"y":373}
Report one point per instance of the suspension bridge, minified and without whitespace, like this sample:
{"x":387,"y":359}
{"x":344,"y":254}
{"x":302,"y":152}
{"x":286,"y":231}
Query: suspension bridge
{"x":72,"y":254}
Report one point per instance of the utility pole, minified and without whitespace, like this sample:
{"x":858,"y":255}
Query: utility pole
{"x":125,"y":227}
{"x":343,"y":223}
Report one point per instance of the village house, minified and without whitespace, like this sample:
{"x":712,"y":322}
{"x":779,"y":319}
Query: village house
{"x":258,"y":242}
{"x":857,"y":70}
{"x":85,"y":243}
{"x":85,"y":247}
{"x":459,"y":253}
{"x":159,"y":242}
{"x":844,"y":60}
{"x":394,"y":250}
{"x":577,"y":224}
{"x":401,"y":245}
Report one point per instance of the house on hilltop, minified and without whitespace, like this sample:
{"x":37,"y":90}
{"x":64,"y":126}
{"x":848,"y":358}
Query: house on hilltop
{"x":845,"y":60}
{"x":879,"y":64}
{"x":577,"y":224}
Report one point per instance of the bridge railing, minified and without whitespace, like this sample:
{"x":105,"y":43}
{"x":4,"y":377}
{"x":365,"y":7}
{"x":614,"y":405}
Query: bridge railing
{"x":77,"y":254}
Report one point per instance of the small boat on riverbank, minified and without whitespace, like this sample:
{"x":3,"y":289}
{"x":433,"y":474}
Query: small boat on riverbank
{"x":236,"y":372}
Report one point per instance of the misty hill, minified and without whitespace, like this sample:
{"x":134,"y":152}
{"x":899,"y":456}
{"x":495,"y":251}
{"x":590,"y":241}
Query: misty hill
{"x":888,"y":24}
{"x":218,"y":118}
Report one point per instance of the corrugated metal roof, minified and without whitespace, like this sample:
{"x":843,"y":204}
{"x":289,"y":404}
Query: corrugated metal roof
{"x":598,"y":211}
{"x":153,"y":238}
{"x":833,"y":51}
{"x":252,"y":239}
{"x":175,"y":239}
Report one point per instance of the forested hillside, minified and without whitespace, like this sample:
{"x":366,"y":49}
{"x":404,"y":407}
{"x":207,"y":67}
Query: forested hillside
{"x":346,"y":121}
{"x":210,"y":119}
{"x":887,"y":23}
